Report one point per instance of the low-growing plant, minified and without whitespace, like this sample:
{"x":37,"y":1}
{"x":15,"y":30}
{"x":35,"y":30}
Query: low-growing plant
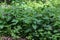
{"x":31,"y":20}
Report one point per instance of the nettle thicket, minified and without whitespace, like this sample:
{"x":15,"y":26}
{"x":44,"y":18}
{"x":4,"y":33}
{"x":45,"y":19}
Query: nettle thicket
{"x":30,"y":19}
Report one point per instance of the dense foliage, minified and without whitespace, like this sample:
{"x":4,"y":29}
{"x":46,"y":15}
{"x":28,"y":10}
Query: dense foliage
{"x":35,"y":20}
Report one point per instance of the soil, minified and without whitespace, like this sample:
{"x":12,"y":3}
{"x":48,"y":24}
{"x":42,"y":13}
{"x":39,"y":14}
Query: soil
{"x":9,"y":38}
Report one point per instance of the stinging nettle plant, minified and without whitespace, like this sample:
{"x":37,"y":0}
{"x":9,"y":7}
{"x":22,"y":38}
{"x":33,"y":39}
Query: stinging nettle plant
{"x":31,"y":20}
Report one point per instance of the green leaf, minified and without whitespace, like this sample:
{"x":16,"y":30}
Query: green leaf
{"x":34,"y":27}
{"x":1,"y":26}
